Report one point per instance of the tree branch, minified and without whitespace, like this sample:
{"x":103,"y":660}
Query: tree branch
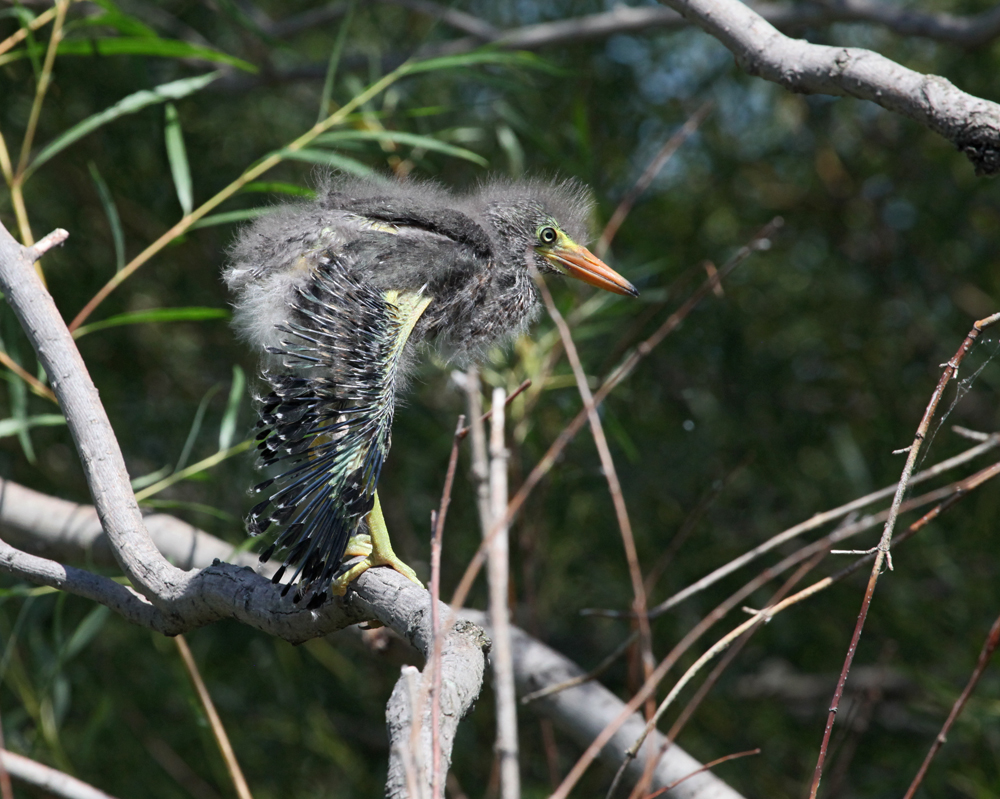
{"x":48,"y":779}
{"x":171,"y":600}
{"x":583,"y":711}
{"x":970,"y":123}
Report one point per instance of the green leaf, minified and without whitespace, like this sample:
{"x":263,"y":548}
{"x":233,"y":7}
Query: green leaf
{"x":137,"y":45}
{"x":139,"y":483}
{"x":335,"y":160}
{"x":191,"y":314}
{"x":177,"y":155}
{"x":111,"y":212}
{"x":232,"y":216}
{"x":331,"y":68}
{"x":113,"y":18}
{"x":10,"y":427}
{"x":402,"y":137}
{"x":197,"y":507}
{"x":85,"y":631}
{"x":278,"y":187}
{"x":483,"y":57}
{"x":199,"y":417}
{"x":228,"y":427}
{"x":128,"y":105}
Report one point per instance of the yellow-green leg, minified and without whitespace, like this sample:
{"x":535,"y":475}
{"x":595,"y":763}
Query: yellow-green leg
{"x":376,"y":549}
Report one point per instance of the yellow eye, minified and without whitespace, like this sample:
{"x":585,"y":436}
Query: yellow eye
{"x":547,"y":235}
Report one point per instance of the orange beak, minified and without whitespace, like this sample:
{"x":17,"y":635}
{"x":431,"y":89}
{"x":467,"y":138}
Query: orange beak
{"x":579,"y":262}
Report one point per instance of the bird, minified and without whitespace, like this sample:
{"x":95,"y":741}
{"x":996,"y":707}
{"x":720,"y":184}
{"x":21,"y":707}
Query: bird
{"x":340,"y":294}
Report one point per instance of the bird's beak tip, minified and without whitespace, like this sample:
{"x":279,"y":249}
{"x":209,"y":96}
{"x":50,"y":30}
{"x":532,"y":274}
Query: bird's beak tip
{"x":581,"y":263}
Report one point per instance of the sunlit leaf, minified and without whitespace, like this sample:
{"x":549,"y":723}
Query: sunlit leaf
{"x":86,"y":630}
{"x":177,"y":155}
{"x":191,"y":314}
{"x":199,"y":418}
{"x":278,"y":187}
{"x":327,"y":158}
{"x":485,"y":57}
{"x":128,"y":105}
{"x":139,"y":483}
{"x":403,"y":137}
{"x":228,"y":427}
{"x":139,"y":45}
{"x":231,"y":216}
{"x":113,"y":18}
{"x":111,"y":212}
{"x":10,"y":427}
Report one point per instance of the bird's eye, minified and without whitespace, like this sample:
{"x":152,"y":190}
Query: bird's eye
{"x":547,"y":235}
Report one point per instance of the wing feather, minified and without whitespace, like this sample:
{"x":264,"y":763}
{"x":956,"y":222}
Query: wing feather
{"x":328,"y":418}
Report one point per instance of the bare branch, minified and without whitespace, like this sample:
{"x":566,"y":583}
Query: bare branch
{"x":970,"y":123}
{"x":54,"y":239}
{"x":48,"y":779}
{"x":950,"y":372}
{"x":582,"y":712}
{"x":498,"y":572}
{"x":89,"y":425}
{"x":989,"y":647}
{"x":56,"y":528}
{"x":818,"y":520}
{"x":137,"y":609}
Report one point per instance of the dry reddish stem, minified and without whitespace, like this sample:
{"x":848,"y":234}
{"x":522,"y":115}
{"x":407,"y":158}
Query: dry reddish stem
{"x":950,"y":370}
{"x":989,"y":647}
{"x":665,"y":665}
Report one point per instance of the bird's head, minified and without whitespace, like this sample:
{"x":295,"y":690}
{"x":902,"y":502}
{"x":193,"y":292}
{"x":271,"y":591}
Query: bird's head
{"x":535,"y":223}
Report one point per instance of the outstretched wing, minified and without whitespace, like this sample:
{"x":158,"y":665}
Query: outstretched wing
{"x":328,"y":419}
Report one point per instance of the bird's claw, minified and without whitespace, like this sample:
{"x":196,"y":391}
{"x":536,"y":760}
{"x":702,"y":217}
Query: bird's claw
{"x":361,"y":546}
{"x":339,"y":586}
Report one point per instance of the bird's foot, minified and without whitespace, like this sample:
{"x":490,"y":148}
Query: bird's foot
{"x":339,"y":586}
{"x":360,"y":546}
{"x":375,"y":549}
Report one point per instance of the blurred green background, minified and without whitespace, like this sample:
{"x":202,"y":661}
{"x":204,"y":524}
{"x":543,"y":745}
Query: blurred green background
{"x":781,"y":398}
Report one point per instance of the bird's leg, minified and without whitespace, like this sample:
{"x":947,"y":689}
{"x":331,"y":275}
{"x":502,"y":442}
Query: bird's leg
{"x":380,"y":553}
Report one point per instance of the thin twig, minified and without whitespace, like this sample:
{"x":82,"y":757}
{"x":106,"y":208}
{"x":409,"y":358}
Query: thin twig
{"x":989,"y":647}
{"x":649,"y":174}
{"x":710,"y":765}
{"x":817,"y":520}
{"x":667,"y":663}
{"x":435,"y":658}
{"x":479,"y":467}
{"x":950,"y":371}
{"x":593,"y":674}
{"x":43,"y":86}
{"x":484,"y":417}
{"x":819,"y":547}
{"x":6,"y":790}
{"x":614,"y":484}
{"x":22,"y":33}
{"x":36,"y":385}
{"x":54,"y":239}
{"x":502,"y":656}
{"x":704,"y":689}
{"x":232,"y":765}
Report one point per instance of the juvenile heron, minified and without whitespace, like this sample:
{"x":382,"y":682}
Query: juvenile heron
{"x":337,"y":294}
